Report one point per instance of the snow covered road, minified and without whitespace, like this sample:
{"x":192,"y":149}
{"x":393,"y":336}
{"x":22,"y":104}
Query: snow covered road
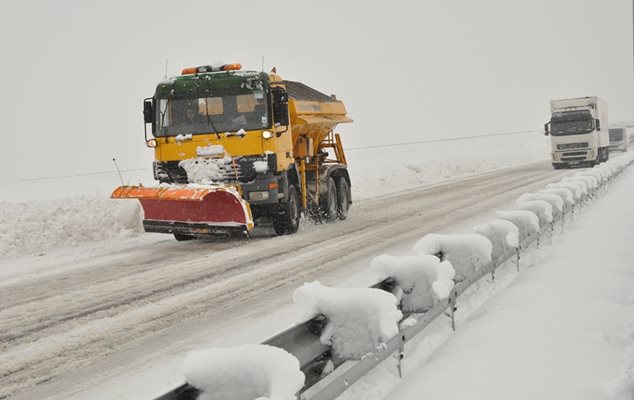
{"x":104,"y":305}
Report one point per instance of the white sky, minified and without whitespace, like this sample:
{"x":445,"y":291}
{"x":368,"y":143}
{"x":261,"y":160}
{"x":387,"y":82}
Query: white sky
{"x":76,"y":72}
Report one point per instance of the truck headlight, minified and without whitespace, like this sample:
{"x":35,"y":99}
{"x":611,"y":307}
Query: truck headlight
{"x":267,"y":135}
{"x":259,"y":196}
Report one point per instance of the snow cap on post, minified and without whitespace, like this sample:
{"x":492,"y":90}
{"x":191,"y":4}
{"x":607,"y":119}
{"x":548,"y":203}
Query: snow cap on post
{"x":467,"y":252}
{"x":541,"y":208}
{"x":582,"y":185}
{"x":574,"y":188}
{"x":526,"y":221}
{"x":422,"y":280}
{"x":359,"y":320}
{"x":555,"y":201}
{"x":248,"y":372}
{"x":566,"y":194}
{"x":503,"y":234}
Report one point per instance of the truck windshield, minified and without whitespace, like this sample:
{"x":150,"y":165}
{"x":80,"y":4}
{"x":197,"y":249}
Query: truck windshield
{"x":221,"y":114}
{"x":571,"y":123}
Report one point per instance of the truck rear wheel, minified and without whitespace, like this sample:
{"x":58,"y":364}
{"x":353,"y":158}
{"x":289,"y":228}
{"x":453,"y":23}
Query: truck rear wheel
{"x":330,"y":203}
{"x":288,"y":222}
{"x":343,"y":198}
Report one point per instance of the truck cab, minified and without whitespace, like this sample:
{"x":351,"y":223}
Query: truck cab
{"x":578,"y":129}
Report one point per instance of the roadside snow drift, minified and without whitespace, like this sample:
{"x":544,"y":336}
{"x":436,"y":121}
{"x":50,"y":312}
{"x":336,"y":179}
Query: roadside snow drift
{"x":39,"y":226}
{"x":244,"y":373}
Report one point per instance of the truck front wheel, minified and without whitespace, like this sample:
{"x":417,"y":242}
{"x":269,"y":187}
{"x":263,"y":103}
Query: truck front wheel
{"x":288,"y":222}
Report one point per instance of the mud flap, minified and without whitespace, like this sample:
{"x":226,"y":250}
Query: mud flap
{"x":186,"y":210}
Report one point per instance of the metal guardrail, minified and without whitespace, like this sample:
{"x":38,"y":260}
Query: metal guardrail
{"x":302,"y":340}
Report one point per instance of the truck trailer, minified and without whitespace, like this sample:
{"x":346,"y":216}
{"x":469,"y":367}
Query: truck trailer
{"x":578,"y":129}
{"x":235,"y":148}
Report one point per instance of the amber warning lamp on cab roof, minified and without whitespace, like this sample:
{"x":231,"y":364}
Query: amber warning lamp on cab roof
{"x":209,"y":68}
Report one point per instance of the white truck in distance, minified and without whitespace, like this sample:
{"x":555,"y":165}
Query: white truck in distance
{"x":578,"y":130}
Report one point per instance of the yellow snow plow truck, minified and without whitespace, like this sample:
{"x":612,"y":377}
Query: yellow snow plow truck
{"x":234,"y":148}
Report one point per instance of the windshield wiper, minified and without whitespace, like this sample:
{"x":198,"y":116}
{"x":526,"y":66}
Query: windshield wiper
{"x":209,"y":121}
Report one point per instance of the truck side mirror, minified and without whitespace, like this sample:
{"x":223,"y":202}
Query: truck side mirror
{"x":546,"y":128}
{"x":597,"y":124}
{"x":280,"y":106}
{"x":148,"y":111}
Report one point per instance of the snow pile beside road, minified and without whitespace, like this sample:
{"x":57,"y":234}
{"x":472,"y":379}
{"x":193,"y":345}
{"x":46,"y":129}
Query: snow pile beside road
{"x":244,"y":373}
{"x":359,"y":320}
{"x":38,"y":226}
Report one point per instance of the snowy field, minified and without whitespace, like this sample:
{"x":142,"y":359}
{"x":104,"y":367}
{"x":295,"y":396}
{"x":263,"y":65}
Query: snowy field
{"x":51,"y":212}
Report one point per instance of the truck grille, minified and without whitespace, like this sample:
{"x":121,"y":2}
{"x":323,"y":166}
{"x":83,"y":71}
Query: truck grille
{"x":240,"y":170}
{"x":566,"y":146}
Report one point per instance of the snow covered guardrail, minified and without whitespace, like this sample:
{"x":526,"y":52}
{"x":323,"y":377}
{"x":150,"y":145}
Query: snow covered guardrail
{"x":348,"y":332}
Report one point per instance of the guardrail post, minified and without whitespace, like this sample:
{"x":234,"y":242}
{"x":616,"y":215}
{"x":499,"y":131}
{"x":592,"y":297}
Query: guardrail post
{"x":401,"y":355}
{"x":518,"y":259}
{"x":452,"y":305}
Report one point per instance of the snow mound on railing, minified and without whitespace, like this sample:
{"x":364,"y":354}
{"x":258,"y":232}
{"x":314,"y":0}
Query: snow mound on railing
{"x":575,"y":189}
{"x":556,"y":202}
{"x":566,"y":194}
{"x":467,"y":252}
{"x":526,"y":221}
{"x":579,"y":183}
{"x":359,"y":319}
{"x":541,"y":208}
{"x":37,"y":226}
{"x":422,"y":280}
{"x":248,"y":372}
{"x":503,"y":234}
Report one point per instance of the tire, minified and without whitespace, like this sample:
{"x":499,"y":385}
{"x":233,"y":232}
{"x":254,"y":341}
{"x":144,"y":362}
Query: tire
{"x":558,"y":166}
{"x":183,"y":236}
{"x":288,"y":222}
{"x":343,"y":198}
{"x":329,"y":207}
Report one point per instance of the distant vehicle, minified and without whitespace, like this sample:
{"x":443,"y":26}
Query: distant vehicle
{"x":579,"y":131}
{"x":619,"y":139}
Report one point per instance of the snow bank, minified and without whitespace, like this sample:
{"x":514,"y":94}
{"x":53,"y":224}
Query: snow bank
{"x":467,"y":252}
{"x":526,"y":221}
{"x":359,"y":320}
{"x":541,"y":208}
{"x":503,"y":234}
{"x":422,"y":280}
{"x":28,"y":228}
{"x":244,"y":373}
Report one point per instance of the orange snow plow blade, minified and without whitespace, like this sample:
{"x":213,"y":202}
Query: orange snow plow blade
{"x":190,"y":211}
